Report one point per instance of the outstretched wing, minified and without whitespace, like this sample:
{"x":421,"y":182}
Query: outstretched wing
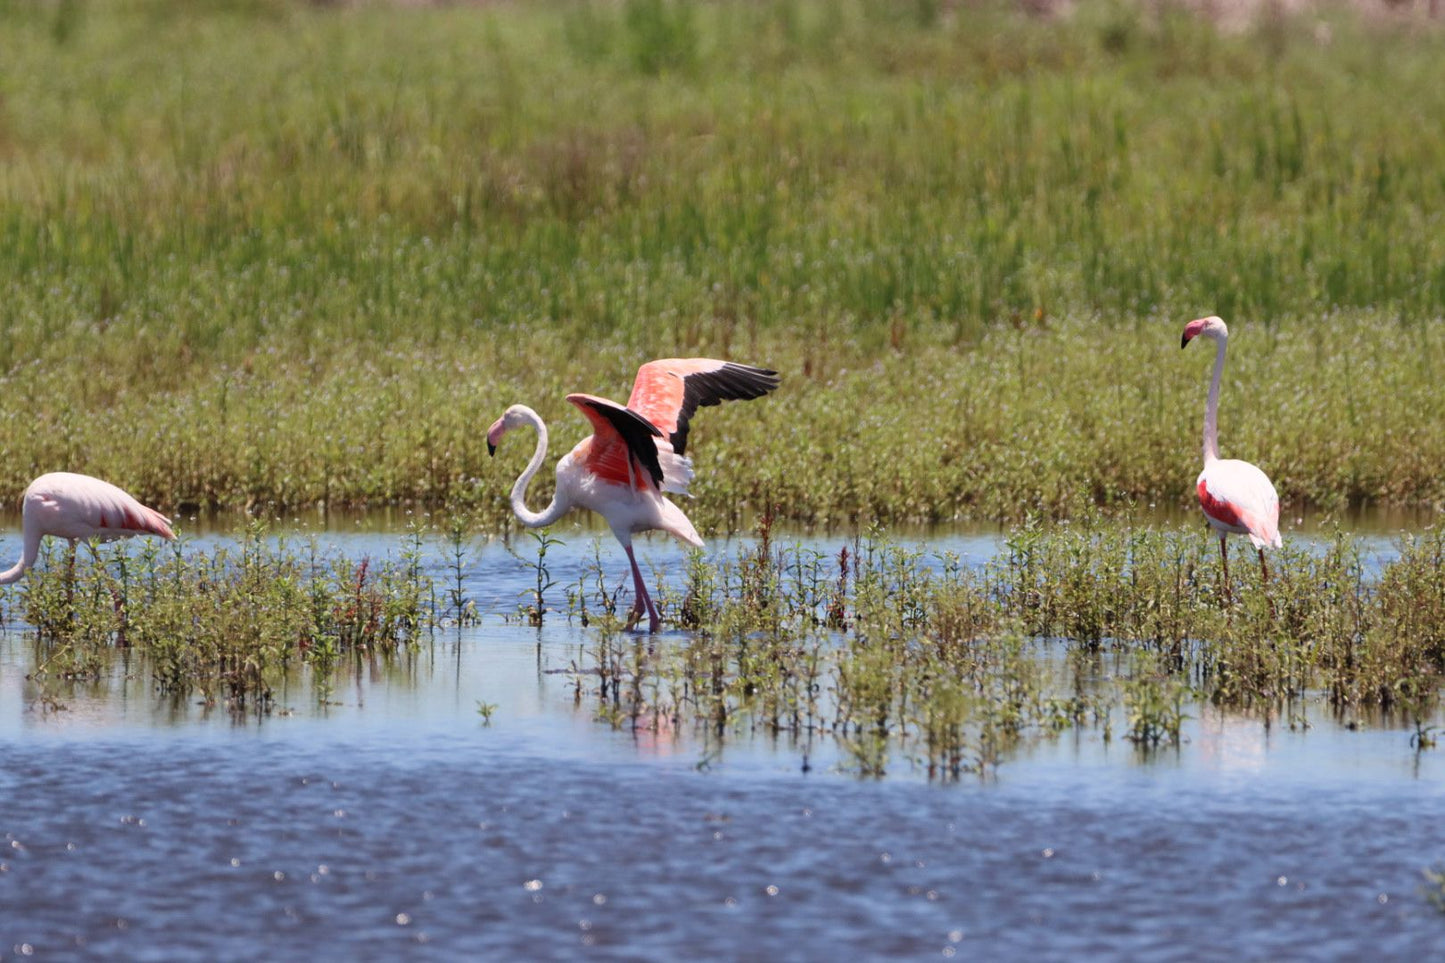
{"x":667,"y":392}
{"x":623,"y":446}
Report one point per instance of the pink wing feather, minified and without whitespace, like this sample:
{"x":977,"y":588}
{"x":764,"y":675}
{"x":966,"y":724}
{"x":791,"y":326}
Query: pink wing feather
{"x":669,"y":391}
{"x":621,"y":450}
{"x":1237,"y":496}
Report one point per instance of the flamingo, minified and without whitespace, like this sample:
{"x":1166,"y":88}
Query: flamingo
{"x":1235,"y":495}
{"x":75,"y":507}
{"x":634,"y":454}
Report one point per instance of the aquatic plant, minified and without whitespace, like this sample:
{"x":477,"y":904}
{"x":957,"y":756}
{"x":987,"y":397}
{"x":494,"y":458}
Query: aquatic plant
{"x":949,"y":666}
{"x":909,"y":658}
{"x":1433,"y":886}
{"x":534,"y":607}
{"x":459,"y":535}
{"x":227,"y":623}
{"x":1154,"y":700}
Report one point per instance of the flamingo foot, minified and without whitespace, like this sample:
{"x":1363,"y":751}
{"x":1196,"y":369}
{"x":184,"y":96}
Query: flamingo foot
{"x":634,"y":616}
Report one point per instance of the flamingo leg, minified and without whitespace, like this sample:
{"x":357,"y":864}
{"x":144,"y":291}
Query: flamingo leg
{"x":654,"y":618}
{"x":642,"y":602}
{"x":638,"y":589}
{"x":1224,"y":561}
{"x":1264,"y":580}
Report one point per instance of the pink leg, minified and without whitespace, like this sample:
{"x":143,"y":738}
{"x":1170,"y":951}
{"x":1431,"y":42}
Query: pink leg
{"x":1264,"y":579}
{"x":1224,"y":560}
{"x":638,"y":606}
{"x":70,"y":578}
{"x":642,"y":602}
{"x":654,"y":620}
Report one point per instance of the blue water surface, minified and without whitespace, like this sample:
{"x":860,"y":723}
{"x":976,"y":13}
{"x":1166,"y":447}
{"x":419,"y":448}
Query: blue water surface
{"x":391,"y":819}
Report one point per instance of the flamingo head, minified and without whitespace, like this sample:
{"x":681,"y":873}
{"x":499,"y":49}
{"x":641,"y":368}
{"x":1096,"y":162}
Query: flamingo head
{"x":513,"y":417}
{"x":1210,"y":327}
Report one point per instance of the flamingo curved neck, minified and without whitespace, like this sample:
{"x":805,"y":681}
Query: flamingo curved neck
{"x":27,"y":557}
{"x":558,"y":506}
{"x":1211,"y":407}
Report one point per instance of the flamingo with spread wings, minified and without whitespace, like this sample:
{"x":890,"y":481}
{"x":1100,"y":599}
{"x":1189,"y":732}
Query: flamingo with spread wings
{"x":1236,"y":496}
{"x":77,"y":507}
{"x":634,"y":454}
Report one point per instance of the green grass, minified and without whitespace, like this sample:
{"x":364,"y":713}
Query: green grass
{"x":262,"y":254}
{"x":1047,"y":420}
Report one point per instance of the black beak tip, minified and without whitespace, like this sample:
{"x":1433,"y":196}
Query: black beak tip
{"x":491,"y":448}
{"x":1184,"y":341}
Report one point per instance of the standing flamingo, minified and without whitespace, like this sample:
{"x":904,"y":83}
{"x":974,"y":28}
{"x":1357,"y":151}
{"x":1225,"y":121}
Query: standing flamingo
{"x":75,"y":507}
{"x":1235,"y":495}
{"x":635,"y":453}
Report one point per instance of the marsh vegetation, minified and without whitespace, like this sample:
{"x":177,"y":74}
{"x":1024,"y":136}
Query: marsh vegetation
{"x":895,"y":653}
{"x":262,"y":254}
{"x":281,"y":256}
{"x":899,"y":653}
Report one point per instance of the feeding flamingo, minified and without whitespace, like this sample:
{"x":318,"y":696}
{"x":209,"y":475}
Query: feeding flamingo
{"x":1235,"y":495}
{"x":75,"y":507}
{"x":635,"y":453}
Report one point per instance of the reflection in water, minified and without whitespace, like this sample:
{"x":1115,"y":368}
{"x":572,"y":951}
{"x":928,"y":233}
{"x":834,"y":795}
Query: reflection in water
{"x":392,"y":819}
{"x":1229,"y":742}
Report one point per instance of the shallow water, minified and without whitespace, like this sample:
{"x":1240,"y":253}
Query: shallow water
{"x":391,"y":819}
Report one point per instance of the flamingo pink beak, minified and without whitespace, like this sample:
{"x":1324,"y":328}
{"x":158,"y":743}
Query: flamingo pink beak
{"x":1191,"y":331}
{"x":494,"y":435}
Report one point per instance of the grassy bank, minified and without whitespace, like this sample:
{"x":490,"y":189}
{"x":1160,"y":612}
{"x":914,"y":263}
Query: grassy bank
{"x":1047,"y":420}
{"x":271,"y":255}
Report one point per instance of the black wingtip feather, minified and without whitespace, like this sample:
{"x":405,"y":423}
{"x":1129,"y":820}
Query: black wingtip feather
{"x":731,"y":382}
